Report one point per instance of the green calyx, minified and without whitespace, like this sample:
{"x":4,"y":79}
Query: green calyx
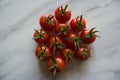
{"x":54,"y":66}
{"x":91,"y":33}
{"x":40,"y":34}
{"x":42,"y":53}
{"x":79,"y":23}
{"x":63,"y":30}
{"x":57,"y":45}
{"x":68,"y":56}
{"x":76,"y":40}
{"x":48,"y":19}
{"x":84,"y":53}
{"x":63,"y":10}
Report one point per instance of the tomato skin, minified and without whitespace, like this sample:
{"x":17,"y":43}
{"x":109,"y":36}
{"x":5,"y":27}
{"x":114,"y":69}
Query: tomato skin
{"x":60,"y":62}
{"x":45,"y":37}
{"x":67,"y":54}
{"x":80,"y":53}
{"x":45,"y":25}
{"x":52,"y":40}
{"x":71,"y":35}
{"x":47,"y":52}
{"x":60,"y":18}
{"x":53,"y":43}
{"x":87,"y":40}
{"x":60,"y":27}
{"x":69,"y":42}
{"x":74,"y":24}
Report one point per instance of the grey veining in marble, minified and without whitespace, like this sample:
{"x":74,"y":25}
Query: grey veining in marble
{"x":18,"y":18}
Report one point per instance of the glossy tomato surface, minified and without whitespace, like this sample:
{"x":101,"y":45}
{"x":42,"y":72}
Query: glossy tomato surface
{"x":47,"y":22}
{"x":62,"y":14}
{"x":41,"y":36}
{"x":43,"y":53}
{"x":57,"y":64}
{"x":83,"y":53}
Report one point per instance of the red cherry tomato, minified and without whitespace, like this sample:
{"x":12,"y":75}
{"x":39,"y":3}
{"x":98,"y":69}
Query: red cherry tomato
{"x":67,"y":54}
{"x":43,"y":53}
{"x":88,"y":35}
{"x":47,"y":22}
{"x":56,"y":65}
{"x":56,"y":43}
{"x":83,"y":53}
{"x":41,"y":36}
{"x":78,"y":24}
{"x":62,"y":29}
{"x":62,"y":14}
{"x":73,"y":41}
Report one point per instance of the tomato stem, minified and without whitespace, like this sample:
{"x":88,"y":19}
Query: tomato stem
{"x":54,"y":65}
{"x":91,"y":33}
{"x":50,"y":17}
{"x":48,"y":20}
{"x":63,"y":11}
{"x":91,"y":30}
{"x":68,"y":56}
{"x":79,"y":23}
{"x":57,"y":45}
{"x":63,"y":30}
{"x":84,"y":53}
{"x":65,"y":7}
{"x":54,"y":71}
{"x":40,"y":34}
{"x":42,"y":53}
{"x":98,"y":36}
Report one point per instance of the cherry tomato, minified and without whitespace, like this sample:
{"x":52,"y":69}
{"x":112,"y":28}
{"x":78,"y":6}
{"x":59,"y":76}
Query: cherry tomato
{"x":47,"y":22}
{"x":41,"y":36}
{"x":73,"y":41}
{"x":62,"y":14}
{"x":83,"y":53}
{"x":67,"y":54}
{"x":62,"y":29}
{"x":78,"y":24}
{"x":88,"y":35}
{"x":56,"y":65}
{"x":43,"y":53}
{"x":56,"y":43}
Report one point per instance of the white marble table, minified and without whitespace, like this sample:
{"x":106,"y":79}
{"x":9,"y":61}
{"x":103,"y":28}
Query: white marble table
{"x":18,"y":18}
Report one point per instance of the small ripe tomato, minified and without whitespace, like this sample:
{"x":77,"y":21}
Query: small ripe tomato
{"x":73,"y":41}
{"x":56,"y":43}
{"x":43,"y":53}
{"x":88,"y":35}
{"x":62,"y":14}
{"x":56,"y":65}
{"x":67,"y":54}
{"x":47,"y":22}
{"x":62,"y":29}
{"x":83,"y":53}
{"x":78,"y":24}
{"x":41,"y":36}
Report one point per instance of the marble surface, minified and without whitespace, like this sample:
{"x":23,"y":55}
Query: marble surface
{"x":18,"y":18}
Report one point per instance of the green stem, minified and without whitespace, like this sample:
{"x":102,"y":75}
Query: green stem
{"x":79,"y":23}
{"x":48,"y":20}
{"x":65,"y":7}
{"x":63,"y":11}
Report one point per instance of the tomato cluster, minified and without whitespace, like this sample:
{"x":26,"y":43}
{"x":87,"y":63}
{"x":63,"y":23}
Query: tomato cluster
{"x":60,"y":42}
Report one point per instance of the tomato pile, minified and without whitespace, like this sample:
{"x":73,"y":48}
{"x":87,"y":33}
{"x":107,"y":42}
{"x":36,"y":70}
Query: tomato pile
{"x":60,"y":42}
